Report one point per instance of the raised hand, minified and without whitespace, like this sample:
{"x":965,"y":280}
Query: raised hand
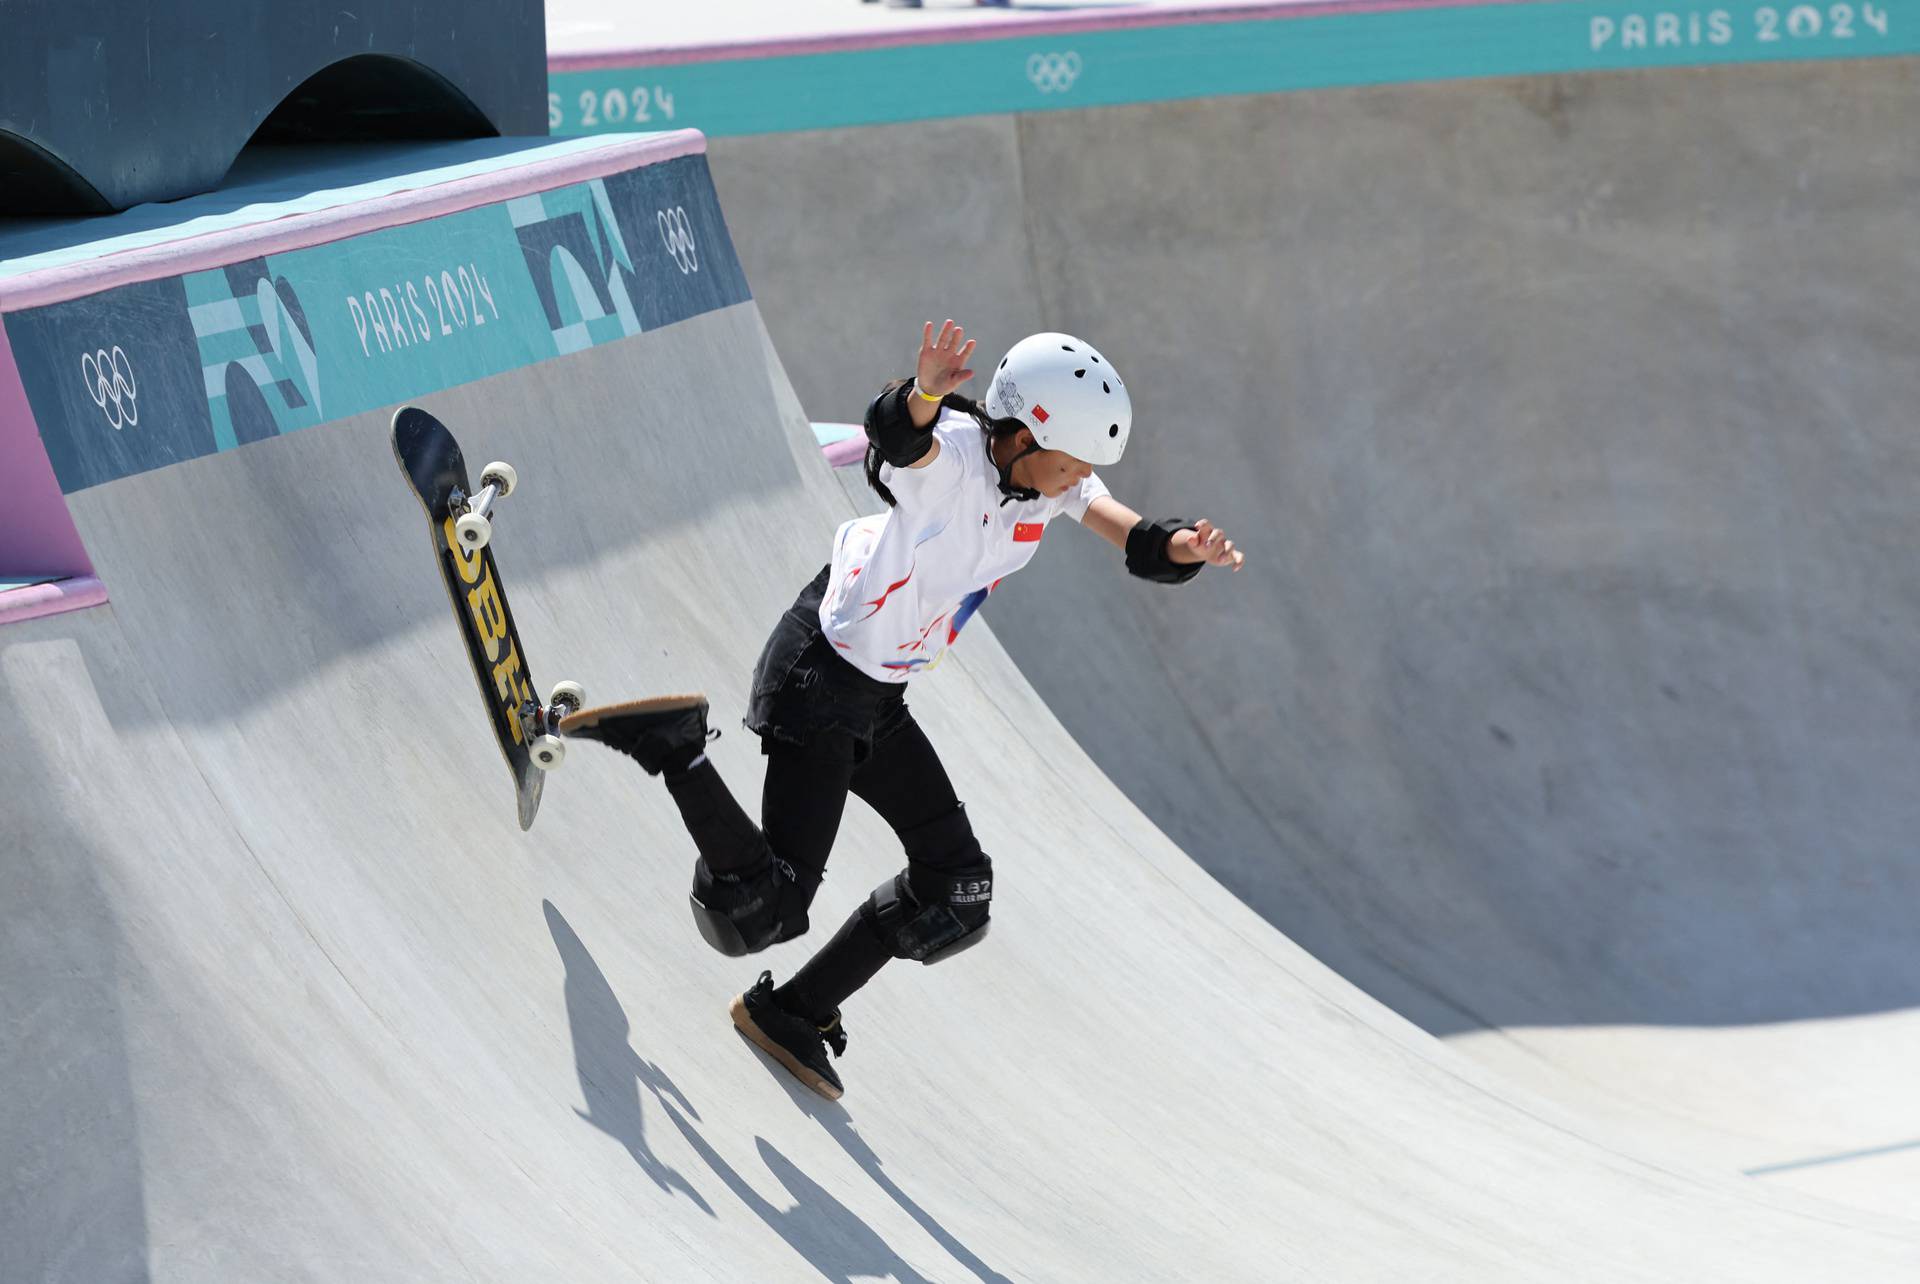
{"x":943,"y":360}
{"x":1208,"y":543}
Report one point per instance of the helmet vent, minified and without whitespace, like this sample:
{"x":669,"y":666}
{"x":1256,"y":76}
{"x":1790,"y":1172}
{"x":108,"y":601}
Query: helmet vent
{"x":1113,"y":430}
{"x":1095,"y":356}
{"x":1106,"y":387}
{"x":1003,"y":363}
{"x":1065,"y":348}
{"x":1079,"y":374}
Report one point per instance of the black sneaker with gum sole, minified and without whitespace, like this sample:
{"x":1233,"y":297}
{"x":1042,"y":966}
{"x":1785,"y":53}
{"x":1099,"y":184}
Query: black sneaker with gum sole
{"x":793,"y":1041}
{"x":664,"y":733}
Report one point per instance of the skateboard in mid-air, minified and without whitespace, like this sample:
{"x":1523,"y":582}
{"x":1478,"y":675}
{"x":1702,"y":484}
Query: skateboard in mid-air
{"x":460,"y":526}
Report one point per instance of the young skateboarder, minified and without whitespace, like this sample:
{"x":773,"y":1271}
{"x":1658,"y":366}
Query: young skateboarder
{"x":969,"y":487}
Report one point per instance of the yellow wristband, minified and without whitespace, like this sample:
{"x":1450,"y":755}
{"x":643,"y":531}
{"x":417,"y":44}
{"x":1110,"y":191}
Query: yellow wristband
{"x":923,"y":396}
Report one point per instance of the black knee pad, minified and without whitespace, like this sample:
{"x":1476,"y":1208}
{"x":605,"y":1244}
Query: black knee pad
{"x":745,"y":915}
{"x":928,"y":914}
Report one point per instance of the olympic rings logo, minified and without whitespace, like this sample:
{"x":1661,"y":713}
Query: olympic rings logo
{"x":676,"y":233}
{"x":109,"y":381}
{"x":1053,"y":73}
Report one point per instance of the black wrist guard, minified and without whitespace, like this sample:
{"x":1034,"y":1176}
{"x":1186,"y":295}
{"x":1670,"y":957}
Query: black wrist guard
{"x":892,"y":431}
{"x":1147,"y":552}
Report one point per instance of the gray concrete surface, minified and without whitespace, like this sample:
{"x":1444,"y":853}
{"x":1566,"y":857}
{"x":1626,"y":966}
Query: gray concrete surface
{"x":289,"y":996}
{"x":1567,"y":704}
{"x":604,"y":26}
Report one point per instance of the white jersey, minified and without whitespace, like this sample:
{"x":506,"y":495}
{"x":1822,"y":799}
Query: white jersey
{"x":906,"y":581}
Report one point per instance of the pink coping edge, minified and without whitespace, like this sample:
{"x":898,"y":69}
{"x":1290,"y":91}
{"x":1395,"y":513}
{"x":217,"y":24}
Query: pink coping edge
{"x":37,"y":535}
{"x":300,"y":231}
{"x":846,"y":453}
{"x":75,"y":594}
{"x":1012,"y":26}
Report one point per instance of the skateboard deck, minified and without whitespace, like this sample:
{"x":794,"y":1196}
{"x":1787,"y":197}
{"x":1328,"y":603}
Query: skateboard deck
{"x":430,"y":459}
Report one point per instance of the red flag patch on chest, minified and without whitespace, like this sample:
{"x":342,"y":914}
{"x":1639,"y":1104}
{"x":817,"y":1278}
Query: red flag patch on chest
{"x":1028,"y":532}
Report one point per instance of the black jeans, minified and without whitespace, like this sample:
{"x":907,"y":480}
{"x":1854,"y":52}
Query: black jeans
{"x":827,"y":730}
{"x":806,"y":697}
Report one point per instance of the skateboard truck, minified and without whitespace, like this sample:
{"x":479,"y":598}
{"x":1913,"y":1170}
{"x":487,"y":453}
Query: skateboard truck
{"x":537,"y":723}
{"x":475,"y":527}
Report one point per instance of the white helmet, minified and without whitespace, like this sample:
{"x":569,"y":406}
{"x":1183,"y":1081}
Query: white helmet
{"x":1067,"y":394}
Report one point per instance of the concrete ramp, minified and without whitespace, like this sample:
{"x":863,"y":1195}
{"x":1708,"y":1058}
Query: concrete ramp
{"x":289,"y":996}
{"x":1567,"y":703}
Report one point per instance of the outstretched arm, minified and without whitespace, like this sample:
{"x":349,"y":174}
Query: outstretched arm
{"x":1200,"y":543}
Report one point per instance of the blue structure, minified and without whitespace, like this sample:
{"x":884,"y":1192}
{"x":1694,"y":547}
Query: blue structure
{"x":107,"y":106}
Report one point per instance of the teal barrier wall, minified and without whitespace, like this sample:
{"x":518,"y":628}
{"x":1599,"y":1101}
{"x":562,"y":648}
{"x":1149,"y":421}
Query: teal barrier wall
{"x":145,"y":375}
{"x":758,"y":95}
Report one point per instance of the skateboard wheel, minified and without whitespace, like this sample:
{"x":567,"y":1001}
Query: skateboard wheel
{"x":548,"y":752}
{"x":571,"y":695}
{"x":473,"y":532}
{"x":500,"y":475}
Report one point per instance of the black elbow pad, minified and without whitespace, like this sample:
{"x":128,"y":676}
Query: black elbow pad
{"x":1147,"y":551}
{"x":891,"y":429}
